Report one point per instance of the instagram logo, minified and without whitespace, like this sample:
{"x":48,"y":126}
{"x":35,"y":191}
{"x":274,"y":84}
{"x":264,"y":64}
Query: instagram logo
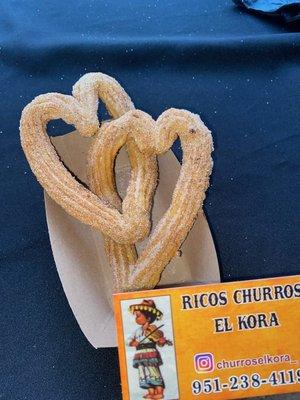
{"x":204,"y":362}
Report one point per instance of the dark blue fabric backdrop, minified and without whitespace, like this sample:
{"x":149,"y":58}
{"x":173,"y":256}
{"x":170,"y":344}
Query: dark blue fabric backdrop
{"x":240,"y":72}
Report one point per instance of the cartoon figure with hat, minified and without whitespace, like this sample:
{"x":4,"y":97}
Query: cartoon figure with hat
{"x":145,"y":339}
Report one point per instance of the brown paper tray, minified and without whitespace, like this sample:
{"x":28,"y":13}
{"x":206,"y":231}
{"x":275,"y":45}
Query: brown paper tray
{"x":79,"y":254}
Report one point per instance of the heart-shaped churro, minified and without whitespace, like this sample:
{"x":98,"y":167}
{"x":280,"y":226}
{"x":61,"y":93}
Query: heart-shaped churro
{"x":151,"y":138}
{"x":80,"y":110}
{"x":122,"y":222}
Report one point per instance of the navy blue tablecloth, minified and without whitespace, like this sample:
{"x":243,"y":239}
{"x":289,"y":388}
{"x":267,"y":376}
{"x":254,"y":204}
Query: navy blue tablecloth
{"x":239,"y":72}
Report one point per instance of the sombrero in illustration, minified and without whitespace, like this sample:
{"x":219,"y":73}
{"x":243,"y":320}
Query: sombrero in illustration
{"x":148,"y":306}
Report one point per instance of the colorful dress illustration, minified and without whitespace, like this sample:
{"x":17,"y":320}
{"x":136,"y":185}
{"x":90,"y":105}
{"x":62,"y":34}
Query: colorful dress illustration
{"x":147,"y":359}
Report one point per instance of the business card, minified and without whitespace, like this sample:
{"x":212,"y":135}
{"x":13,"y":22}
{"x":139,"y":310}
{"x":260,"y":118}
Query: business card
{"x":214,"y":341}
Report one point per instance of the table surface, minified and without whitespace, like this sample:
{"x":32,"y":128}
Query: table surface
{"x":238,"y":71}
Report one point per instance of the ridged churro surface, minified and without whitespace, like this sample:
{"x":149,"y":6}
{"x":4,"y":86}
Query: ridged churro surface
{"x":151,"y":138}
{"x":79,"y":110}
{"x":123,"y":222}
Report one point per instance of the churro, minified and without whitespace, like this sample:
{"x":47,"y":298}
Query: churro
{"x":79,"y":110}
{"x":122,"y":222}
{"x":150,"y":139}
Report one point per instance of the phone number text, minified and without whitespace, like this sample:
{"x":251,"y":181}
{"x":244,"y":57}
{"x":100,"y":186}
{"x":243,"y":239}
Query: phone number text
{"x":244,"y":382}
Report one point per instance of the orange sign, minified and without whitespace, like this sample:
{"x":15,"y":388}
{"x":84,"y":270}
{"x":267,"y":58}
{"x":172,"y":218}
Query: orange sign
{"x":216,"y":341}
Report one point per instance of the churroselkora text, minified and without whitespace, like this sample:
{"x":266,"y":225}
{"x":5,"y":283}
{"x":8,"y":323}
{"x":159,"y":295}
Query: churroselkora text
{"x":242,"y":296}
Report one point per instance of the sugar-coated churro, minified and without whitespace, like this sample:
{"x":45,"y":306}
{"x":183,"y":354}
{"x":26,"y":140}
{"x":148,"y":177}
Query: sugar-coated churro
{"x":79,"y":110}
{"x":122,"y":222}
{"x":152,"y":138}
